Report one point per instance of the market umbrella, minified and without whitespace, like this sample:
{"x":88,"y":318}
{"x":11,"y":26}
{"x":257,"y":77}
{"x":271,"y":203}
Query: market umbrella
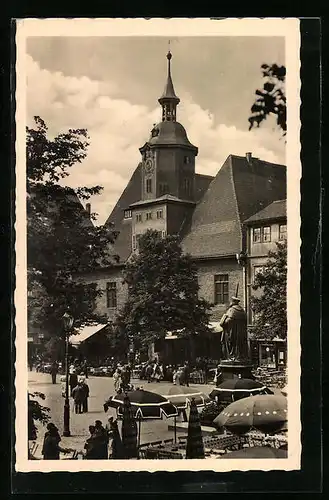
{"x":267,"y":413}
{"x":194,"y":444}
{"x":182,"y":395}
{"x":257,"y":452}
{"x":235,"y":389}
{"x":129,"y":430}
{"x":144,"y":404}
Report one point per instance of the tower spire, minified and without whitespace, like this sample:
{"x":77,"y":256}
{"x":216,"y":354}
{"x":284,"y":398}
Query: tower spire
{"x":169,"y":99}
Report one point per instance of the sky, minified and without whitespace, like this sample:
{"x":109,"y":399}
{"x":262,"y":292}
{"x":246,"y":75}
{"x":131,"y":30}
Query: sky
{"x":110,"y":85}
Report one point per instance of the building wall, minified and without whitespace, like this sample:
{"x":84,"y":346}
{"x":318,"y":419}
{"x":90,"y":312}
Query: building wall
{"x":262,"y":248}
{"x":114,"y":275}
{"x":206,"y":273}
{"x":257,"y":258}
{"x":154,"y":223}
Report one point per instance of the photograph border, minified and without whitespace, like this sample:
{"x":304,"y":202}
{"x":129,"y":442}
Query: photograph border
{"x":309,"y":179}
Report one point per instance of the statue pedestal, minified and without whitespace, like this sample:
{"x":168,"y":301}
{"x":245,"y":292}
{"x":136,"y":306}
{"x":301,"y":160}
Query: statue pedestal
{"x":234,"y":368}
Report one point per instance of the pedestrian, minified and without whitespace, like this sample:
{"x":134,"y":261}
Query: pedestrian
{"x":101,"y":440}
{"x":54,"y":371}
{"x":85,"y":394}
{"x":218,"y":379}
{"x":157,"y":372}
{"x":186,"y":371}
{"x":31,"y":365}
{"x":125,"y":379}
{"x":85,"y":368}
{"x":149,"y":372}
{"x":117,"y":380}
{"x":78,"y":394}
{"x":73,"y":380}
{"x":51,"y":449}
{"x":89,"y":447}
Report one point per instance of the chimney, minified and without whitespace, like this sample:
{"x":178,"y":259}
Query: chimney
{"x":249,"y":157}
{"x":88,"y":209}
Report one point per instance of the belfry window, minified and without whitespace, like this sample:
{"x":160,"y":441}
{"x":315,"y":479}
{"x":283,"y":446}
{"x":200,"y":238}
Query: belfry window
{"x":149,"y":185}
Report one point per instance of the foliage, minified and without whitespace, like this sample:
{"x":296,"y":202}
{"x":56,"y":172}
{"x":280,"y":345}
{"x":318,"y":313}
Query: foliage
{"x":36,"y":412}
{"x":62,"y":241}
{"x":270,"y":308}
{"x":162,"y":293}
{"x":271,"y":99}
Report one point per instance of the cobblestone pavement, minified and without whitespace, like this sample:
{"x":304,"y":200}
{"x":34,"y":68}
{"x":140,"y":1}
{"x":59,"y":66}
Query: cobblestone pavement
{"x":100,"y":389}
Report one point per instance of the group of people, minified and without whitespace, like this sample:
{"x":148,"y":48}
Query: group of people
{"x":122,"y":378}
{"x":79,"y":391}
{"x":154,"y":371}
{"x":96,"y":446}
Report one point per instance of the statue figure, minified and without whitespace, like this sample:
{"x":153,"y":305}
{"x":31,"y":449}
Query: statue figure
{"x":234,"y":336}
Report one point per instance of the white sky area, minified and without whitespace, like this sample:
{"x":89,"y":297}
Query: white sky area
{"x":110,"y":85}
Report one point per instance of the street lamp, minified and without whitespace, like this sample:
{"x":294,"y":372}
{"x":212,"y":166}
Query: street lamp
{"x":68,"y":323}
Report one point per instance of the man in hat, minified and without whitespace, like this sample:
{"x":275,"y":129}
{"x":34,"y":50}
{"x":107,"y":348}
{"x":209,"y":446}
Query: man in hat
{"x":234,"y":337}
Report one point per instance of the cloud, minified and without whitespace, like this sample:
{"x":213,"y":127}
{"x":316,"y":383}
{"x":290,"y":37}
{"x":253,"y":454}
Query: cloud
{"x":117,"y":128}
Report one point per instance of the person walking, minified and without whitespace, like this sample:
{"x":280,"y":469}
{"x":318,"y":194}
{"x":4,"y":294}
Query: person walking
{"x":73,"y":380}
{"x":149,"y":372}
{"x":85,"y":395}
{"x":51,"y":449}
{"x":218,"y":379}
{"x":186,"y":371}
{"x":117,"y":380}
{"x":85,"y":368}
{"x":77,"y":395}
{"x":54,"y":371}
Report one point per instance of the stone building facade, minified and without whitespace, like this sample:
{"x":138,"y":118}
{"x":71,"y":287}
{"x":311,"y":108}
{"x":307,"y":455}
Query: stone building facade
{"x":207,"y":213}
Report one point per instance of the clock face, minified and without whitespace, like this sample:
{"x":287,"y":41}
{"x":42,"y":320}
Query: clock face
{"x":149,"y":166}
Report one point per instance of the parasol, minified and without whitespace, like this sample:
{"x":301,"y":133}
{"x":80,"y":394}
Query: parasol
{"x":145,"y":405}
{"x":235,"y":389}
{"x":182,"y":395}
{"x":267,"y":413}
{"x":257,"y":452}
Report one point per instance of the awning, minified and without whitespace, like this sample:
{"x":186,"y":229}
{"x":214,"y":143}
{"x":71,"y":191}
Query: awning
{"x":85,"y":333}
{"x":213,"y":325}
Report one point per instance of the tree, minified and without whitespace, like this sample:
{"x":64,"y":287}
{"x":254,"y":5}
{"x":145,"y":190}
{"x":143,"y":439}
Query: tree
{"x":271,"y":100}
{"x":162,"y":294}
{"x":36,"y":413}
{"x":62,"y":241}
{"x":270,"y":308}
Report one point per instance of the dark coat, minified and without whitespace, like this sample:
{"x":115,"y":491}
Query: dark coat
{"x":51,"y":449}
{"x":73,"y":381}
{"x":78,"y":394}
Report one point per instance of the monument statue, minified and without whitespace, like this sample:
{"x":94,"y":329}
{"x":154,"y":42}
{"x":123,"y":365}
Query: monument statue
{"x":234,"y":335}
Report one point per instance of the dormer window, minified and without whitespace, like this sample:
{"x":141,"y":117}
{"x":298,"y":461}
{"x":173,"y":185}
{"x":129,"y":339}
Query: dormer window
{"x":127,"y":214}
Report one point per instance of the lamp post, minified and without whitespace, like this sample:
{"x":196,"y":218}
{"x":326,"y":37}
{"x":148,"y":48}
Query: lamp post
{"x":68,"y":323}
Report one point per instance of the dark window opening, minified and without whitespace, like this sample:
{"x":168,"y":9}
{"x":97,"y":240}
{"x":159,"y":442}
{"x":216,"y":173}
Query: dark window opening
{"x":221,"y":289}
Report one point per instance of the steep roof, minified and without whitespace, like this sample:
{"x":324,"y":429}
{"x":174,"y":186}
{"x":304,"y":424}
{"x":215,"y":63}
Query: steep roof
{"x":239,"y":190}
{"x":132,"y":194}
{"x":275,"y":210}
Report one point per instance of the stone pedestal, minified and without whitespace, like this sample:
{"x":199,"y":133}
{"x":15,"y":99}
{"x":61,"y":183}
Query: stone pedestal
{"x":232,"y":369}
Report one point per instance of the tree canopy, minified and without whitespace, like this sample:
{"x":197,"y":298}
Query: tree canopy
{"x":271,"y":99}
{"x":62,"y":241}
{"x":162,"y":293}
{"x":270,"y":308}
